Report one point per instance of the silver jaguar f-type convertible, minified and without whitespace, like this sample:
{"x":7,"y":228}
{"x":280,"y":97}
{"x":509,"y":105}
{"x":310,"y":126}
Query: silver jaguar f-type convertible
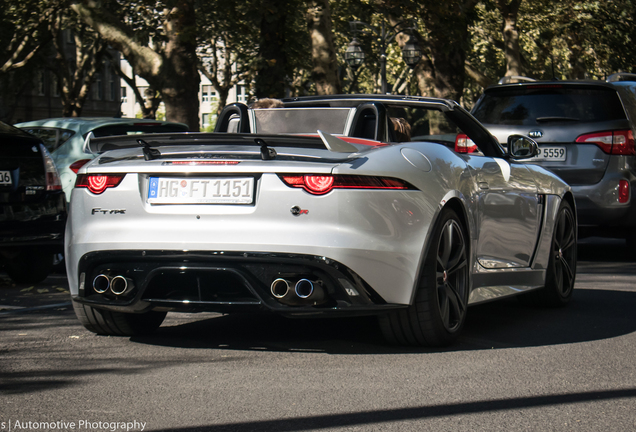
{"x":321,"y":207}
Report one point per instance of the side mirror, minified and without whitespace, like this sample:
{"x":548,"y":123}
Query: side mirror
{"x":522,"y":147}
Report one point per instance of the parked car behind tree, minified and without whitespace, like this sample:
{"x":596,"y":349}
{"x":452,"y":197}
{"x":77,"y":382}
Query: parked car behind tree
{"x":64,"y":138}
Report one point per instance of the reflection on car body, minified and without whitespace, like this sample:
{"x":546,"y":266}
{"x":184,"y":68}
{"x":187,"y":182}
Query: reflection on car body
{"x":302,"y":222}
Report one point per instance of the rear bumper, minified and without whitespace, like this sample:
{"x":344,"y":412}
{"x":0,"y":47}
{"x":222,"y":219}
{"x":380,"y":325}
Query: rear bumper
{"x":37,"y":224}
{"x":197,"y":281}
{"x":598,"y":206}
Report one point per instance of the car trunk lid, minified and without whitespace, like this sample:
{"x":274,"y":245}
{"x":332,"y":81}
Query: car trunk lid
{"x":555,"y":115}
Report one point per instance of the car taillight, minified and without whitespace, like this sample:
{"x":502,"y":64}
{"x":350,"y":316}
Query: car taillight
{"x":75,"y":166}
{"x":623,"y":191}
{"x":321,"y":184}
{"x":619,"y":142}
{"x":98,"y":183}
{"x":53,"y":182}
{"x":463,"y":144}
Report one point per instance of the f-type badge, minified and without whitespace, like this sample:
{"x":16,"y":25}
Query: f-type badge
{"x":297,"y":211}
{"x":535,"y":134}
{"x":107,"y":211}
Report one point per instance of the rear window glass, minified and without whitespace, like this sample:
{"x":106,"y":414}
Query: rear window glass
{"x":137,"y":129}
{"x":8,"y":129}
{"x":531,"y":106}
{"x":53,"y":138}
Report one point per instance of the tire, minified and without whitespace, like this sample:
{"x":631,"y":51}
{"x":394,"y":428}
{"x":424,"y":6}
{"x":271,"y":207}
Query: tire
{"x":105,"y":322}
{"x":438,"y":312}
{"x":29,"y":267}
{"x":561,"y":271}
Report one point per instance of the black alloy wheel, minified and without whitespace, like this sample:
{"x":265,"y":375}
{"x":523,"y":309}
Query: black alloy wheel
{"x":438,"y":312}
{"x":562,"y":265}
{"x":452,"y":276}
{"x":561,"y":271}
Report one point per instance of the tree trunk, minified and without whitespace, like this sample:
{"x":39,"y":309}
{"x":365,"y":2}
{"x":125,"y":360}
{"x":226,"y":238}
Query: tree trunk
{"x":272,"y":60}
{"x":448,"y":29}
{"x":172,"y":71}
{"x":512,"y":51}
{"x":76,"y":73}
{"x":323,"y":52}
{"x":441,"y":71}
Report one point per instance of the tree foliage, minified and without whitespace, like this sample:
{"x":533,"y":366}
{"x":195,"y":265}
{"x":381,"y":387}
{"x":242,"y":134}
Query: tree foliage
{"x":277,"y":48}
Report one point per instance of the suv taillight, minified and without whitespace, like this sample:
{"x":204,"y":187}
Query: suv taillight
{"x":53,"y":182}
{"x":620,"y":142}
{"x":623,"y":191}
{"x":463,"y":144}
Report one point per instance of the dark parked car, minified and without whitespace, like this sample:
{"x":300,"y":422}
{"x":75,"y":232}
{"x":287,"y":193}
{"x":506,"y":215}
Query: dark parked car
{"x":32,"y":207}
{"x":585,"y":131}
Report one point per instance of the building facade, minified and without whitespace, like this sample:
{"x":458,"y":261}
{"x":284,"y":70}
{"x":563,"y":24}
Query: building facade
{"x":208,"y":100}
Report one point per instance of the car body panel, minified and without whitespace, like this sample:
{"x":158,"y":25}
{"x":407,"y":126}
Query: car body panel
{"x":365,"y":246}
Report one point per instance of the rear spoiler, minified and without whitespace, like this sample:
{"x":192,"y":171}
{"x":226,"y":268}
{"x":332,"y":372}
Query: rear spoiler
{"x":324,"y":140}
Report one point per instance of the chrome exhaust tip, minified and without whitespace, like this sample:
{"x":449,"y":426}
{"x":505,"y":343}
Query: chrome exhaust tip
{"x":101,"y":283}
{"x":279,"y":288}
{"x":121,"y":285}
{"x":304,"y":288}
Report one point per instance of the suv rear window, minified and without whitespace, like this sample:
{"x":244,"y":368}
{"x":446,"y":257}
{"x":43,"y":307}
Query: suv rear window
{"x":539,"y":104}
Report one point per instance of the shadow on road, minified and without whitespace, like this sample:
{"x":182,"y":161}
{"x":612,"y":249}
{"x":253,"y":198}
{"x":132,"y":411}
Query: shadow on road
{"x":374,"y":419}
{"x":593,"y":315}
{"x":597,"y":312}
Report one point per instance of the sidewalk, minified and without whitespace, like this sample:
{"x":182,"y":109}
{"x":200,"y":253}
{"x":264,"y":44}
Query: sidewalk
{"x":51,"y":292}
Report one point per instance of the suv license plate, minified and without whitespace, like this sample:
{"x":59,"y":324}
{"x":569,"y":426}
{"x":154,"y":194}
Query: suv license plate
{"x":555,"y":154}
{"x":5,"y":178}
{"x":225,"y":190}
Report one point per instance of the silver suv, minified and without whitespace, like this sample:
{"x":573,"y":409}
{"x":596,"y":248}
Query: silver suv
{"x":585,"y":131}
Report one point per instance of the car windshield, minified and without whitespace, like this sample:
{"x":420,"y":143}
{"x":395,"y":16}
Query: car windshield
{"x":305,"y":120}
{"x":427,"y":124}
{"x":541,"y":104}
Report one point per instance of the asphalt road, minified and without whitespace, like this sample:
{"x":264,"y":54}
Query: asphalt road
{"x":515,"y":368}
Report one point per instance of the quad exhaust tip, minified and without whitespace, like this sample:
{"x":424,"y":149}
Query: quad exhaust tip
{"x":300,"y":293}
{"x":101,"y":283}
{"x":118,"y":285}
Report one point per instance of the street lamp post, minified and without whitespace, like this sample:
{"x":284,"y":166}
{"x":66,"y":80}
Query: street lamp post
{"x":354,"y":56}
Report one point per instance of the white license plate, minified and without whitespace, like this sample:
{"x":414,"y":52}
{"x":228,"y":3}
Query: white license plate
{"x":224,"y":190}
{"x":556,"y":154}
{"x":5,"y":178}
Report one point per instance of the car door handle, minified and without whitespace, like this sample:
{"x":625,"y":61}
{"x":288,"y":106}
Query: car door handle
{"x":483,"y":185}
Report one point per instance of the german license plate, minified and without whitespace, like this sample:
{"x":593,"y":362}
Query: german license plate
{"x":5,"y":178}
{"x":553,"y":153}
{"x":225,"y":190}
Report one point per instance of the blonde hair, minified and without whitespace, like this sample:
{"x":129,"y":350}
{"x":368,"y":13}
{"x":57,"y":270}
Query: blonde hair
{"x":268,"y":103}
